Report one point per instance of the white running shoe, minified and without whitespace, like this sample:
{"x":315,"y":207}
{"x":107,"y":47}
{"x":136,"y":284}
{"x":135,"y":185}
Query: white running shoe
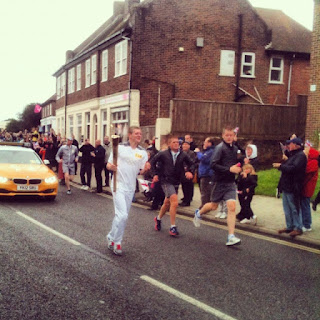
{"x":232,"y":241}
{"x":82,"y":187}
{"x":110,"y":244}
{"x":218,"y":215}
{"x":304,"y":229}
{"x":117,"y":250}
{"x":253,"y":220}
{"x":85,"y":188}
{"x":223,"y":215}
{"x":197,"y":218}
{"x":245,"y":220}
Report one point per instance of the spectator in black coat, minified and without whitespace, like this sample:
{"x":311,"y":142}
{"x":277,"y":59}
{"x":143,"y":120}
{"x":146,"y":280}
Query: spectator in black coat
{"x":99,"y":158}
{"x":86,"y":164}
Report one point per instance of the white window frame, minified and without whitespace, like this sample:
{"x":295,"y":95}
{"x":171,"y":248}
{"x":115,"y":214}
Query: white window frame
{"x":104,"y":70}
{"x":50,"y":109}
{"x":121,"y":57}
{"x":71,"y":81}
{"x":88,"y":72}
{"x":58,"y":87}
{"x":63,"y":84}
{"x":88,"y":128}
{"x":250,"y":65}
{"x":79,"y":125}
{"x":104,"y":122}
{"x":78,"y":77}
{"x":279,"y":69}
{"x":227,"y":63}
{"x":93,"y":69}
{"x":71,"y":125}
{"x":63,"y":129}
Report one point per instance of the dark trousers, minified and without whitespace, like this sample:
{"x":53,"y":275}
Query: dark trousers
{"x":187,"y":188}
{"x":98,"y":174}
{"x":317,"y":199}
{"x":158,"y":196}
{"x":86,"y":169}
{"x":205,"y":189}
{"x":107,"y":175}
{"x":245,"y":203}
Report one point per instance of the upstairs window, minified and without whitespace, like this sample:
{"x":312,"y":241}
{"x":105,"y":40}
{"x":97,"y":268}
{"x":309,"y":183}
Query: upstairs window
{"x":248,"y":65}
{"x":93,"y":69}
{"x":58,"y":87}
{"x":121,"y":56}
{"x":78,"y":77}
{"x":276,"y":70}
{"x":63,"y":84}
{"x":71,"y":81}
{"x":88,"y":73}
{"x":227,"y":58}
{"x":104,"y":70}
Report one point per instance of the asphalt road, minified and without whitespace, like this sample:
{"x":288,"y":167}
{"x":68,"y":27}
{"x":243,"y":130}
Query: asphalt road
{"x":54,"y":264}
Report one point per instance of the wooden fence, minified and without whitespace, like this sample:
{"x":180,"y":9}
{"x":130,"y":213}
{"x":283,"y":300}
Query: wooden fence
{"x":256,"y":121}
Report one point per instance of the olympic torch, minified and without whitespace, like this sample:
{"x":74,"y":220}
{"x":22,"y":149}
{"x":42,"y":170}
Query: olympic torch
{"x":115,"y":143}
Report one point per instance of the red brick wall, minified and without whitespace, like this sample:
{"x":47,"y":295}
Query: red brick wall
{"x":313,"y":114}
{"x":165,"y":25}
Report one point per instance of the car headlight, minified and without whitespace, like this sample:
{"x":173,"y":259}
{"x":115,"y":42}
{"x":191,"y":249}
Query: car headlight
{"x":3,"y":179}
{"x":52,"y":179}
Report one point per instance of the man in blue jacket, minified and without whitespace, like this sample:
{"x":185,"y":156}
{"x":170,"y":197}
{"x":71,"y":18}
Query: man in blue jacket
{"x":291,"y":183}
{"x":205,"y":172}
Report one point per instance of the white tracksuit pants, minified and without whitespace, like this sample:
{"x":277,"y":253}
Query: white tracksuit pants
{"x":122,"y":201}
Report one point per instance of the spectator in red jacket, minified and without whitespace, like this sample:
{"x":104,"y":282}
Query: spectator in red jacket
{"x":309,"y":185}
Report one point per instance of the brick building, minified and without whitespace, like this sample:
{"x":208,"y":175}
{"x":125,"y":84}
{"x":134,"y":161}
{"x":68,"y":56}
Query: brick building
{"x":148,"y":53}
{"x":313,"y":114}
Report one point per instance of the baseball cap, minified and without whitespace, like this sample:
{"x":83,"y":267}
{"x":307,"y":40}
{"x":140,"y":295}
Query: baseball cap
{"x":296,"y":141}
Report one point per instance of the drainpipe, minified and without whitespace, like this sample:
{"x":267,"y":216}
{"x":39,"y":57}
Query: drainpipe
{"x":289,"y":80}
{"x":65,"y":103}
{"x":130,"y":75}
{"x":236,"y":96}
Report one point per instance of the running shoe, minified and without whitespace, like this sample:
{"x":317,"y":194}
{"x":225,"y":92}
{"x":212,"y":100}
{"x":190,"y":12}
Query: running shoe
{"x":233,"y":240}
{"x":110,"y":244}
{"x":157,"y":225}
{"x":253,"y":220}
{"x":174,"y":231}
{"x":117,"y":250}
{"x":223,"y":215}
{"x":69,"y":192}
{"x":197,"y":218}
{"x":245,"y":220}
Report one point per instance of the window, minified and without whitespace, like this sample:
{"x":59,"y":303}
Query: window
{"x":119,"y":122}
{"x":87,"y":116}
{"x":93,"y":69}
{"x":121,"y":52}
{"x":71,"y":125}
{"x":50,"y":109}
{"x":227,"y":58}
{"x":104,"y":65}
{"x":63,"y":84}
{"x":248,"y":65}
{"x":276,"y":70}
{"x":63,"y":127}
{"x":71,"y":82}
{"x":88,"y":73}
{"x":104,"y":123}
{"x":59,"y":87}
{"x":79,"y":127}
{"x":78,"y":77}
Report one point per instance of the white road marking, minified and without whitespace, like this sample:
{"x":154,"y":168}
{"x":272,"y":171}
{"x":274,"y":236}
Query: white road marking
{"x":256,"y":235}
{"x":43,"y":226}
{"x":187,"y":298}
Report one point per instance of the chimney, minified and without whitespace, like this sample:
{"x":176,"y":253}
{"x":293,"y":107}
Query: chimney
{"x":69,"y":55}
{"x":118,"y":8}
{"x":129,"y":4}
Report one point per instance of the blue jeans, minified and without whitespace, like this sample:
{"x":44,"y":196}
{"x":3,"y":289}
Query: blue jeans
{"x":292,"y":214}
{"x":306,"y":212}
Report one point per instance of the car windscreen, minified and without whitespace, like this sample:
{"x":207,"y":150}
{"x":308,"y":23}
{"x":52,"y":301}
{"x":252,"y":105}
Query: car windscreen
{"x":19,"y":157}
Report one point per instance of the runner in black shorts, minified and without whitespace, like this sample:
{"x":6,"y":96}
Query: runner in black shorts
{"x":225,"y":166}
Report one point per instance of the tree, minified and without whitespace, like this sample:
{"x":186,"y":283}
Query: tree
{"x":14,"y":125}
{"x":26,"y":120}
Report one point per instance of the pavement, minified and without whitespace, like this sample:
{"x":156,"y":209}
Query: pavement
{"x":269,"y":212}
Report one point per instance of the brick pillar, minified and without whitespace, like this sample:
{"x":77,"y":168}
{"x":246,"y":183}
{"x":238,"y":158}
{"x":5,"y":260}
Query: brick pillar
{"x":313,"y":110}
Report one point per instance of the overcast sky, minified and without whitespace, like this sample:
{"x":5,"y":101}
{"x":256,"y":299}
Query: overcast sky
{"x":35,"y":34}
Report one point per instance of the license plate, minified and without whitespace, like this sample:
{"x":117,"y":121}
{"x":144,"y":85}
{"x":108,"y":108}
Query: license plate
{"x":27,"y":188}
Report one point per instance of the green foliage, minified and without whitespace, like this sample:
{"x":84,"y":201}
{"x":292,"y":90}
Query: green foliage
{"x":267,"y":182}
{"x":26,"y":120}
{"x":14,"y":125}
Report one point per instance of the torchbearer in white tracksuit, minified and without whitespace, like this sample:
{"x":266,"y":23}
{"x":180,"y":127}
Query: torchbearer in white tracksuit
{"x":132,"y":160}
